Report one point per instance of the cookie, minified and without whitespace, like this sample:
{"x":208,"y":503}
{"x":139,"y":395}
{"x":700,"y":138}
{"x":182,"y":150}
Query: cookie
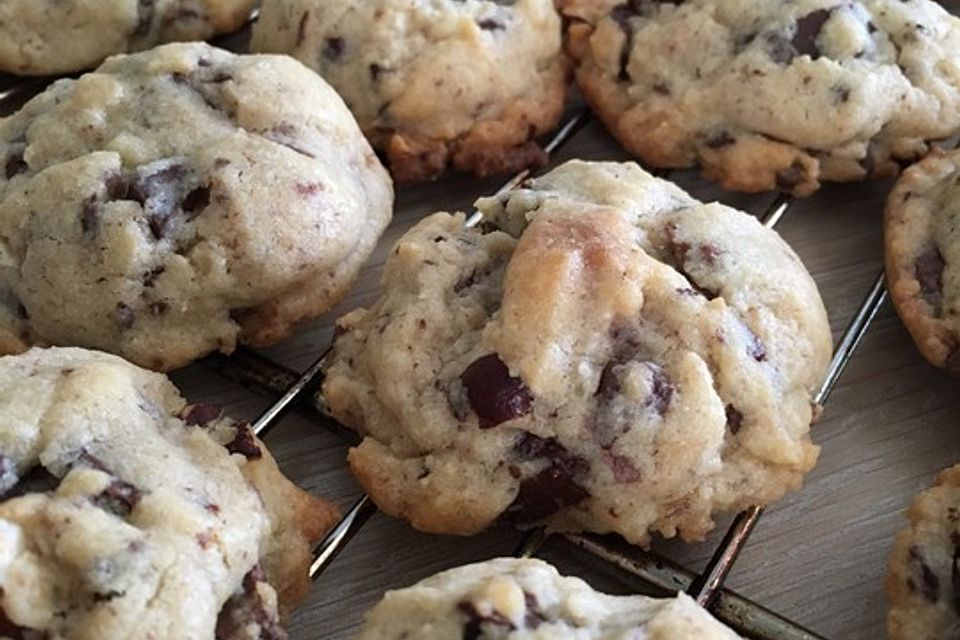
{"x":528,"y":599}
{"x":768,"y":94}
{"x":923,"y":580}
{"x":169,"y":205}
{"x":126,"y":513}
{"x":467,"y":85}
{"x":923,"y":255}
{"x":45,"y":37}
{"x":618,"y":357}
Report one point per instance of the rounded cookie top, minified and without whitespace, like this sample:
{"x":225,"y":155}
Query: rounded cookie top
{"x":169,"y":204}
{"x":619,"y":357}
{"x":127,"y":514}
{"x":923,"y":580}
{"x":41,"y":37}
{"x":434,"y":83}
{"x":922,"y":238}
{"x":527,"y":599}
{"x":769,"y":94}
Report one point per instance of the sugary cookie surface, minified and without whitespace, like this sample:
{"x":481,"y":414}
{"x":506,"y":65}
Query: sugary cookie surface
{"x":43,"y":37}
{"x":170,"y":204}
{"x":126,"y":514}
{"x":922,"y":237}
{"x":923,"y":582}
{"x":528,"y":599}
{"x":620,"y":357}
{"x":434,"y":83}
{"x":769,"y":94}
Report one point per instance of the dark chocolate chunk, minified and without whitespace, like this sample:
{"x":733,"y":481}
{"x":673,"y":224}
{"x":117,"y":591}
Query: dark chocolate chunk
{"x":720,"y":140}
{"x":624,"y":471}
{"x":841,"y":93}
{"x":302,"y":28}
{"x":375,"y":71}
{"x":334,"y":48}
{"x":15,"y":164}
{"x":609,"y":385}
{"x":88,"y":215}
{"x":489,"y":24}
{"x":199,"y":415}
{"x":734,"y":419}
{"x":196,"y":201}
{"x":553,"y":488}
{"x":244,"y":443}
{"x":36,"y":480}
{"x":789,"y":178}
{"x":124,"y":315}
{"x":473,"y":628}
{"x":929,"y":272}
{"x":119,"y":498}
{"x":808,"y":29}
{"x":661,"y":392}
{"x":534,"y":616}
{"x":494,"y":394}
{"x":158,"y":192}
{"x":246,"y":609}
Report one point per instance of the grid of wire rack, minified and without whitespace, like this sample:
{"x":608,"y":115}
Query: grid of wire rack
{"x":301,"y":390}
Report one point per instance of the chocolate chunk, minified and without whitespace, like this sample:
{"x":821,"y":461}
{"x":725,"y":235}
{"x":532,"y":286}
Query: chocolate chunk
{"x":244,"y":443}
{"x":609,"y":385}
{"x":662,"y":88}
{"x":489,"y":24}
{"x":302,"y":28}
{"x":119,"y":498}
{"x":929,"y":272}
{"x":36,"y":480}
{"x":334,"y":48}
{"x":554,"y":487}
{"x":108,"y":596}
{"x":720,"y":140}
{"x":88,"y":215}
{"x":198,"y":415}
{"x":661,"y":389}
{"x":789,"y":178}
{"x":494,"y":394}
{"x":808,"y":29}
{"x":534,"y":616}
{"x":145,"y":9}
{"x":124,"y":315}
{"x":734,"y":419}
{"x":375,"y":71}
{"x":10,"y":630}
{"x":929,"y":586}
{"x":622,"y":467}
{"x":15,"y":164}
{"x":158,"y":192}
{"x":246,"y":609}
{"x":473,"y":628}
{"x":841,"y":93}
{"x":196,"y":201}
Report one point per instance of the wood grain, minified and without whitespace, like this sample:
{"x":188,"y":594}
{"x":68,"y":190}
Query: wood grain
{"x":817,"y":557}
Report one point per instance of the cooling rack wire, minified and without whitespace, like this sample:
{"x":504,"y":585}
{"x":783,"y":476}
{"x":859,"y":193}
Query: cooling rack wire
{"x":302,"y":390}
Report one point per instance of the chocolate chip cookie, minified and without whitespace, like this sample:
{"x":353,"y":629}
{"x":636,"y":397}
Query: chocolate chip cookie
{"x":527,"y":599}
{"x":177,"y":201}
{"x":616,"y":357}
{"x":923,"y":255}
{"x":466,"y":84}
{"x":39,"y":37}
{"x":126,"y":513}
{"x":923,"y":583}
{"x":770,"y":94}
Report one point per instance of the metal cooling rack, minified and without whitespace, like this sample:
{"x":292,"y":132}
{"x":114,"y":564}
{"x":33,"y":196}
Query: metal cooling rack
{"x":651,"y":569}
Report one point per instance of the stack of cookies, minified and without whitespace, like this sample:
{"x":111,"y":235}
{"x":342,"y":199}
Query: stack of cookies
{"x":603,"y":353}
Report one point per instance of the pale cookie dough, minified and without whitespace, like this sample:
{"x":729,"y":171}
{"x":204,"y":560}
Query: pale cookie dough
{"x":619,"y":358}
{"x":40,"y":37}
{"x":126,"y":514}
{"x":528,"y":600}
{"x":765,"y":94}
{"x":923,"y":583}
{"x":922,"y":232}
{"x":434,"y":83}
{"x":177,"y":201}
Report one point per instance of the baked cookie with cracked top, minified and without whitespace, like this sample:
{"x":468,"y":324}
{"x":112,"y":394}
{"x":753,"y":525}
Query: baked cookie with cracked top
{"x":127,"y":513}
{"x":525,"y":599}
{"x":616,"y":357}
{"x":768,"y":94}
{"x":466,"y":84}
{"x":169,"y":205}
{"x":923,"y":579}
{"x":45,"y":37}
{"x":922,"y":238}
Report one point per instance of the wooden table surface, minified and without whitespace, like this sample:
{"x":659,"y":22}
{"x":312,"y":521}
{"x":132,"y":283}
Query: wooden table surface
{"x":817,"y":557}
